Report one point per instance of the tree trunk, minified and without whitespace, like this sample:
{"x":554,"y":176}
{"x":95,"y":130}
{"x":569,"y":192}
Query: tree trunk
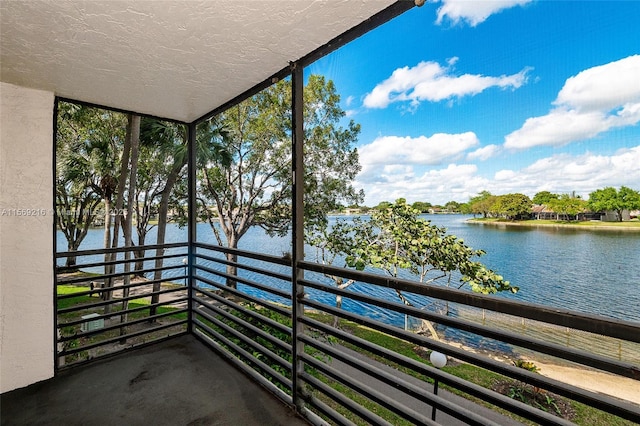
{"x":142,"y":220}
{"x":336,"y":318}
{"x":134,"y":121}
{"x":232,"y":242}
{"x":72,"y":246}
{"x":107,"y":295}
{"x":232,"y":270}
{"x":163,"y":210}
{"x":139,"y":254}
{"x":122,"y":182}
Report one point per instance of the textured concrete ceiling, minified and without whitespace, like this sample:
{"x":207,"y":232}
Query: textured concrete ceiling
{"x":172,"y":59}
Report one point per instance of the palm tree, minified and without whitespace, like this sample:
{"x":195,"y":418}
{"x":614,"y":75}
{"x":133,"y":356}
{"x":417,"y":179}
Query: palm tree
{"x":169,"y":142}
{"x":88,"y":141}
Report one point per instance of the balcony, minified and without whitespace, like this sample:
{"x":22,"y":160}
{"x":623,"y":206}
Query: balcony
{"x":177,"y":353}
{"x":197,"y":344}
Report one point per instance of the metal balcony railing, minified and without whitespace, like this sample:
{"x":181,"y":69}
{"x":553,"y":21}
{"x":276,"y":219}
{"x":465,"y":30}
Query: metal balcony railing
{"x":104,"y":305}
{"x":240,"y":304}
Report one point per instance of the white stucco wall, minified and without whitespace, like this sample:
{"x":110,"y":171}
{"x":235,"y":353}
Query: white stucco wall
{"x":26,"y":236}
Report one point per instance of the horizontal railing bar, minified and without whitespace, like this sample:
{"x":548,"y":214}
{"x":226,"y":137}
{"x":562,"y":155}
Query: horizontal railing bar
{"x":259,"y":378}
{"x":321,"y":406}
{"x":259,"y":317}
{"x":116,"y":288}
{"x":245,"y":267}
{"x":274,"y":340}
{"x":407,"y":388}
{"x":575,"y":355}
{"x":250,"y":342}
{"x":73,"y":364}
{"x":246,"y":281}
{"x":118,"y":313}
{"x":116,"y":275}
{"x":119,"y":338}
{"x":235,"y":292}
{"x":246,"y":355}
{"x":117,"y":326}
{"x":372,"y":394}
{"x":61,"y":269}
{"x":348,"y":403}
{"x":625,"y":330}
{"x":600,"y":401}
{"x":470,"y":388}
{"x":115,"y":300}
{"x":81,"y":253}
{"x":245,"y":253}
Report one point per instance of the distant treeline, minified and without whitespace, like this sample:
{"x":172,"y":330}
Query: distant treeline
{"x":519,"y":206}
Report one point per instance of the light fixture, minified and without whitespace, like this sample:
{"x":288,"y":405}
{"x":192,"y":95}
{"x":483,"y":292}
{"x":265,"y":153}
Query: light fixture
{"x":438,"y":360}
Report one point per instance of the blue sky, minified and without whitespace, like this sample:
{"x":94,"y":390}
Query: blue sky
{"x":457,"y":97}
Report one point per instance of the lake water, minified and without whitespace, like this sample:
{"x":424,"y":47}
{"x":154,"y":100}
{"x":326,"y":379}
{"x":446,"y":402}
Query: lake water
{"x":596,"y":272}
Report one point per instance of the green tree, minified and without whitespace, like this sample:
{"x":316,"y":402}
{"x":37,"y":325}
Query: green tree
{"x":544,"y":197}
{"x":151,"y":178}
{"x":169,"y":142}
{"x":421,"y":206}
{"x":332,"y":243}
{"x":482,"y":203}
{"x":465,"y":208}
{"x":567,"y":206}
{"x":255,"y":188}
{"x":629,"y":198}
{"x":452,"y":206}
{"x":396,"y":239}
{"x":88,"y":154}
{"x":382,"y":205}
{"x":127,"y":173}
{"x":76,"y":198}
{"x":513,"y":206}
{"x":613,"y":200}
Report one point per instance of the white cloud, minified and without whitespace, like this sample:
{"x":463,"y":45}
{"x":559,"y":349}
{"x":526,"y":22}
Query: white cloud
{"x":604,"y":87}
{"x":473,"y":12}
{"x":429,"y":81}
{"x":559,"y":127}
{"x":562,"y":173}
{"x":349,"y":101}
{"x":391,"y":150}
{"x":505,"y":175}
{"x":589,"y":170}
{"x":455,"y":182}
{"x":484,"y":153}
{"x":590,"y":103}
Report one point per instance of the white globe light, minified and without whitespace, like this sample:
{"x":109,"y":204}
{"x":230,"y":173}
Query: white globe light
{"x":438,"y":359}
{"x":185,"y":261}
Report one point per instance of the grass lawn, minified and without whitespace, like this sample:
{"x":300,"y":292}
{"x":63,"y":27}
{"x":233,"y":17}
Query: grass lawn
{"x":633,"y":224}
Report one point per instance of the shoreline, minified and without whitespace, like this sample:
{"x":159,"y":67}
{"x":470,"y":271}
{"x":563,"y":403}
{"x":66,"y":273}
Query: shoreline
{"x":532,"y":224}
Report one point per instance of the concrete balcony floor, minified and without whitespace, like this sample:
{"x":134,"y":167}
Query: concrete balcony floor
{"x":179,"y":381}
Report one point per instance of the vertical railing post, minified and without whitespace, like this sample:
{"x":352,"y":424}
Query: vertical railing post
{"x":297,"y":234}
{"x":192,"y":219}
{"x":56,"y":359}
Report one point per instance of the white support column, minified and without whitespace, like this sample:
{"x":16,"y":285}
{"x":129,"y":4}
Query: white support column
{"x":26,"y":236}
